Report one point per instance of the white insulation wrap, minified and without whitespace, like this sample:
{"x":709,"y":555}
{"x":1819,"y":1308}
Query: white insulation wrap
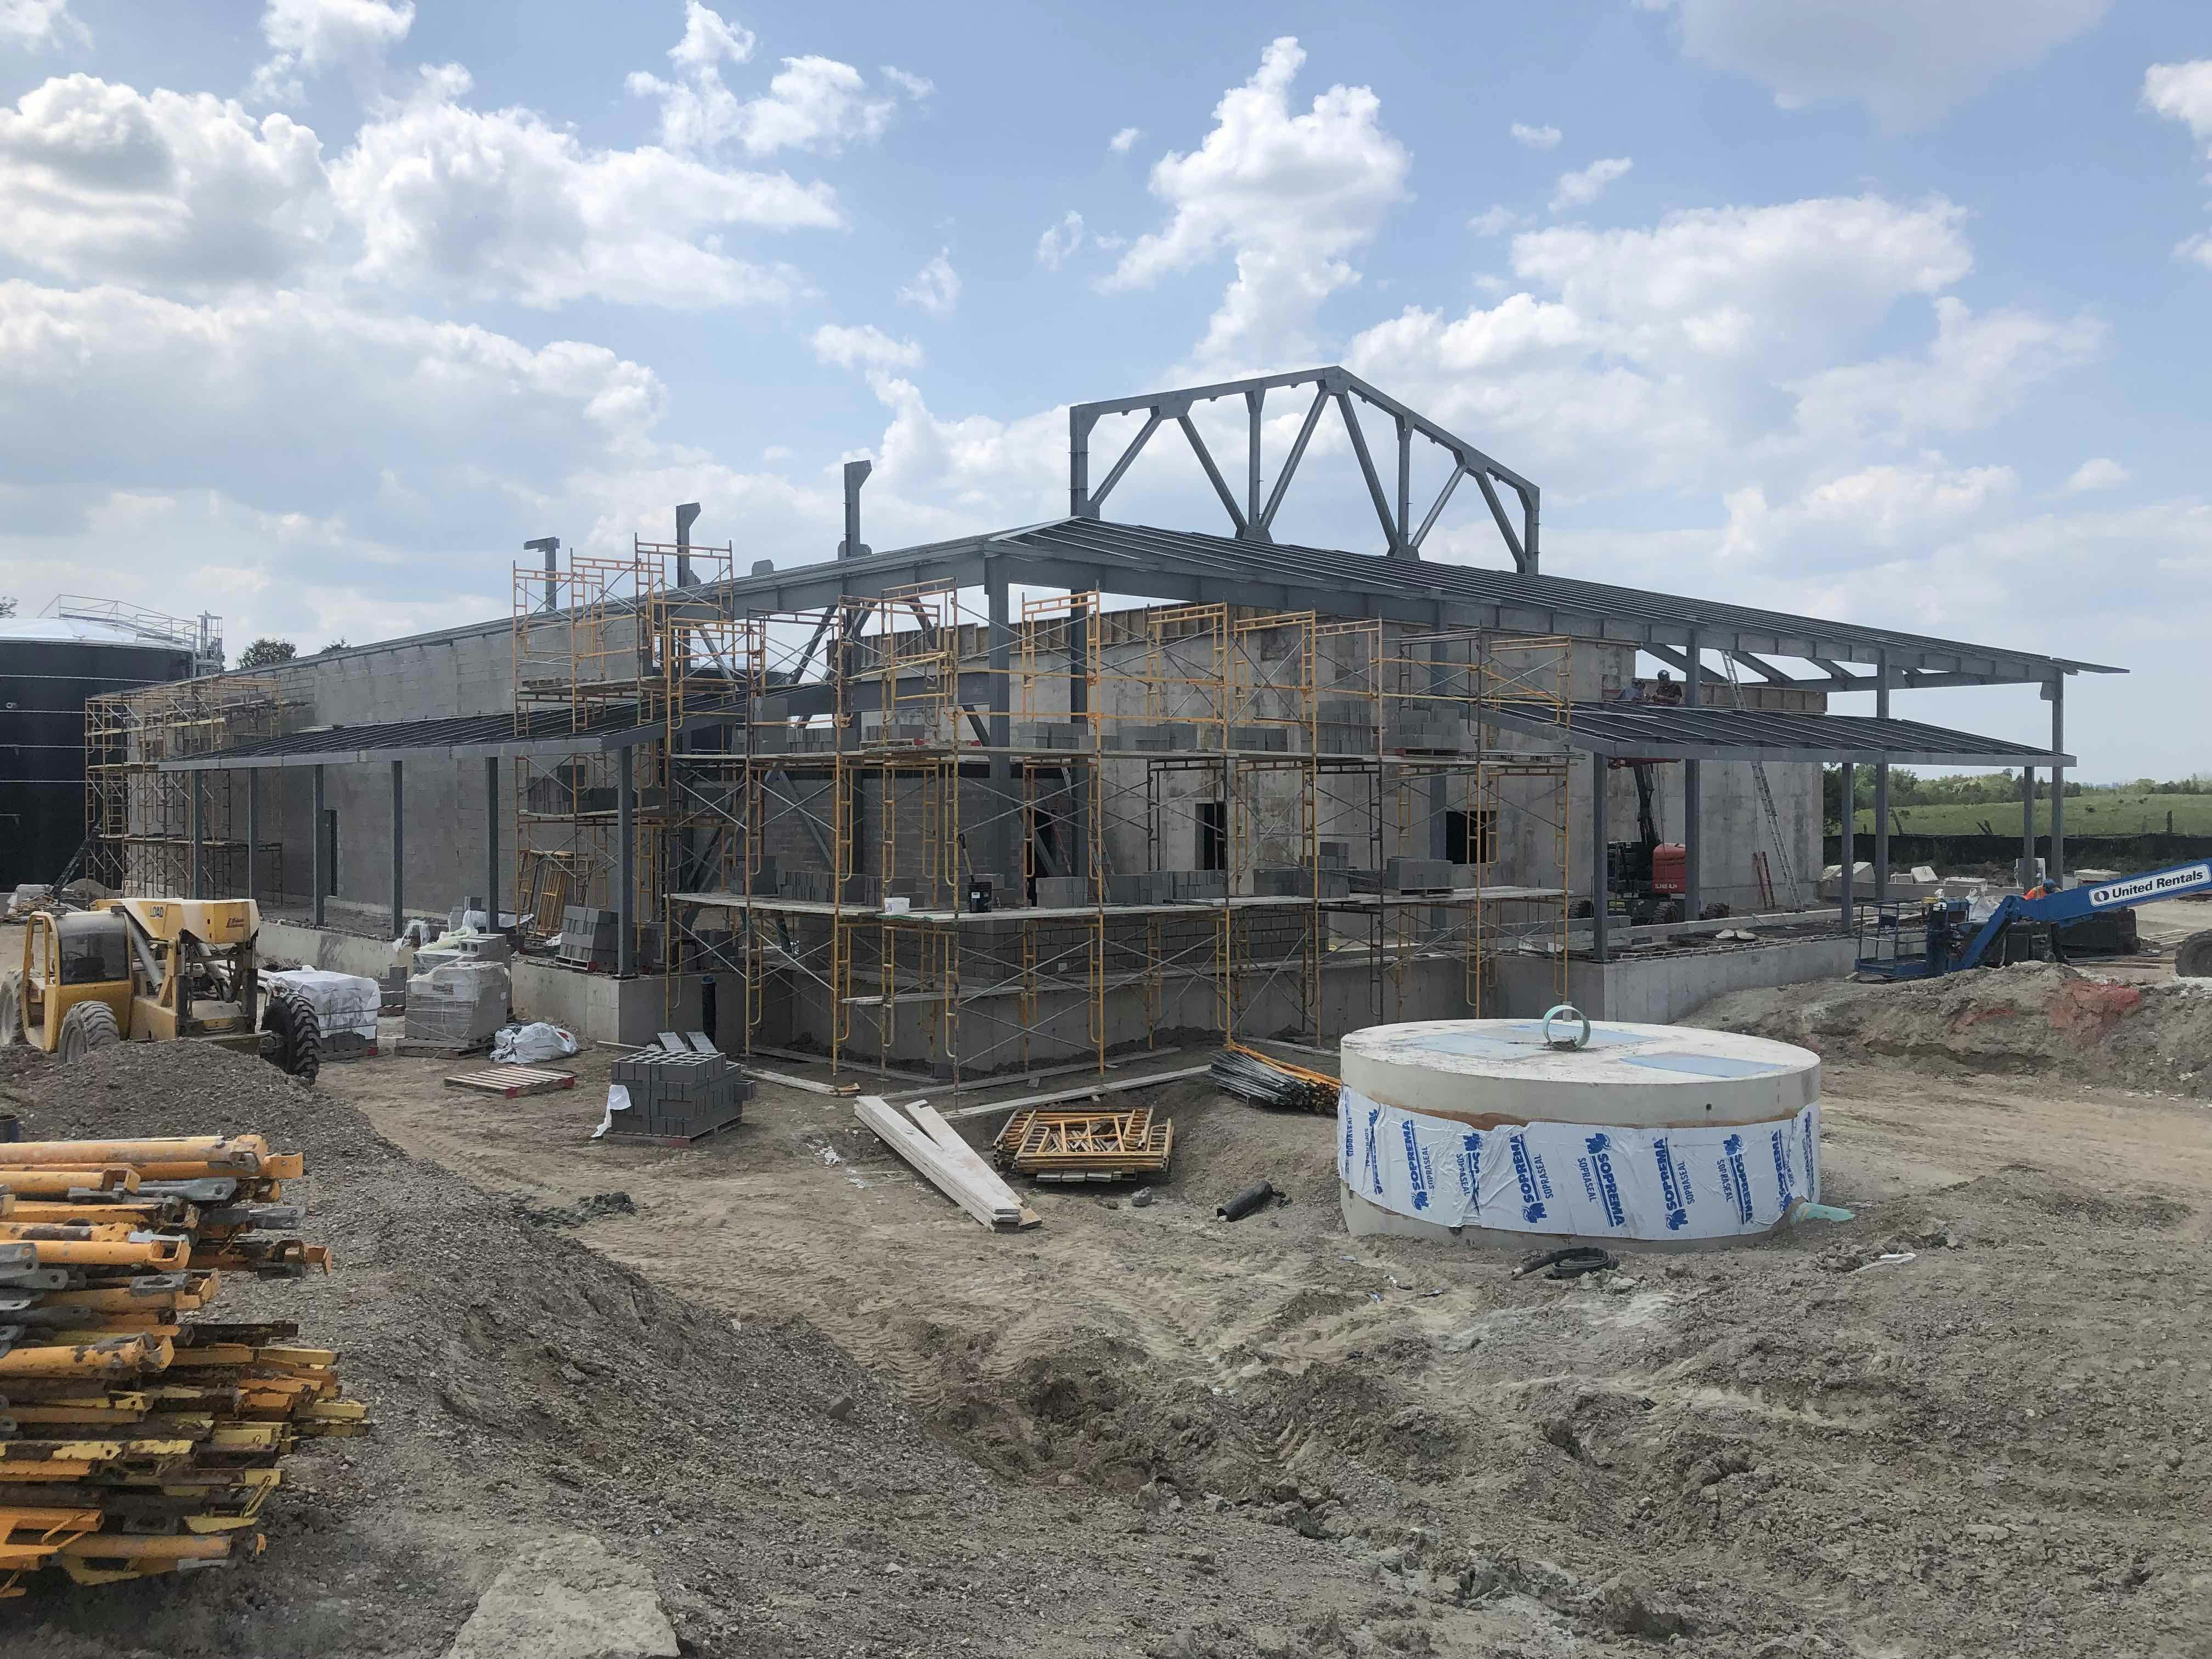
{"x":344,"y":1003}
{"x":1651,"y":1133}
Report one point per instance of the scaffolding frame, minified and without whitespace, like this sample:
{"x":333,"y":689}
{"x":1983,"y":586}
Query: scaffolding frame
{"x":139,"y":821}
{"x":840,"y":845}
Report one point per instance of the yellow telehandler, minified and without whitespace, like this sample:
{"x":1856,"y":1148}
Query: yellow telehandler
{"x":153,"y":970}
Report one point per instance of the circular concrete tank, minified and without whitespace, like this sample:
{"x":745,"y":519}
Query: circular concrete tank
{"x":1480,"y":1130}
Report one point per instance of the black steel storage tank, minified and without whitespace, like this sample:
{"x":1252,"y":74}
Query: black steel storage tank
{"x":49,"y":665}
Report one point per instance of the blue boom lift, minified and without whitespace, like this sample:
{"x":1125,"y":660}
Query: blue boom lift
{"x":1953,"y":942}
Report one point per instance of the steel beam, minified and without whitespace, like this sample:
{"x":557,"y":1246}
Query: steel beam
{"x":1881,"y":785}
{"x":398,"y":852}
{"x":1001,"y":841}
{"x":625,"y":864}
{"x":2055,"y":691}
{"x":1694,"y":789}
{"x":321,"y":876}
{"x":1846,"y":899}
{"x":1600,"y":924}
{"x":193,"y":838}
{"x":2027,"y":826}
{"x":491,"y":843}
{"x":252,"y":834}
{"x":1367,"y":471}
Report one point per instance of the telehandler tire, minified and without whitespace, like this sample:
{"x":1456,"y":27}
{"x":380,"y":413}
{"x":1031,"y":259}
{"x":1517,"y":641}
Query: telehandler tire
{"x":87,"y":1026}
{"x":291,"y":1037}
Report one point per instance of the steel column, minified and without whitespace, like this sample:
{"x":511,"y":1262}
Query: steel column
{"x":1600,"y":923}
{"x":1846,"y":899}
{"x":322,"y":877}
{"x":491,"y":843}
{"x":252,"y":828}
{"x":398,"y":852}
{"x":192,"y":838}
{"x":1881,"y":784}
{"x":1694,"y":792}
{"x":2026,"y":828}
{"x":2057,"y":778}
{"x":626,"y":860}
{"x":1001,"y":844}
{"x":1079,"y":770}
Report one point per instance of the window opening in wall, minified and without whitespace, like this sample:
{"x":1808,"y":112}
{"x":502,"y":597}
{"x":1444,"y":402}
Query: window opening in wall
{"x":1471,"y":837}
{"x":1213,"y":834}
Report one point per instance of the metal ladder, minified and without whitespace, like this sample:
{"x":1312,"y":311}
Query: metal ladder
{"x":1788,"y":871}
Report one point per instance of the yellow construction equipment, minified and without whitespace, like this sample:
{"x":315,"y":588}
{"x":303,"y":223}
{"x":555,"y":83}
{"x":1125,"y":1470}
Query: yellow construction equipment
{"x":135,"y":1440}
{"x":153,"y":970}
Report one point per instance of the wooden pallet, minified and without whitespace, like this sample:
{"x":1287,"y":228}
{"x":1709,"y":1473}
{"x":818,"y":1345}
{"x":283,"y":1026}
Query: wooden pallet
{"x":1086,"y":1146}
{"x":509,"y":1081}
{"x":610,"y":1139}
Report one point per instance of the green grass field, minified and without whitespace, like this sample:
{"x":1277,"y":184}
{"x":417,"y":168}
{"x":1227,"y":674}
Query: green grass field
{"x":2117,"y":814}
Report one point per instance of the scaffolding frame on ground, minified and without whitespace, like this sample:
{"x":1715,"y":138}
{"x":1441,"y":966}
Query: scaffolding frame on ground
{"x":142,"y":823}
{"x":836,"y":836}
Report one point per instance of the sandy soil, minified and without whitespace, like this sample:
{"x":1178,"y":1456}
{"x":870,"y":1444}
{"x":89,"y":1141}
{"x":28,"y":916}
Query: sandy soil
{"x":1998,"y":1447}
{"x":1136,"y":1431}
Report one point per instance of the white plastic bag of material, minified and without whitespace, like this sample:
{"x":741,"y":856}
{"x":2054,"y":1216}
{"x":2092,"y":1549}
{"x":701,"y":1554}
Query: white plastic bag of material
{"x":1579,"y":1178}
{"x":344,"y":1003}
{"x":532,"y":1044}
{"x":617,"y":1101}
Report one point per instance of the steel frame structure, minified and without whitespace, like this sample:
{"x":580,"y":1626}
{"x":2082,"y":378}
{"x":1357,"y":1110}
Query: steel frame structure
{"x":1254,"y":521}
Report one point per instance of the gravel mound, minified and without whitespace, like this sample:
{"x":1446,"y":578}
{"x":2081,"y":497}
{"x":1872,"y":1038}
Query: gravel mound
{"x":2033,"y":1018}
{"x":522,"y":1382}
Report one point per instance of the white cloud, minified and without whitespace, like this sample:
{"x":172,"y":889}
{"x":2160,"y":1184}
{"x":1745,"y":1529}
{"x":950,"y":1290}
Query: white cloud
{"x":1581,"y":188}
{"x":308,"y":37}
{"x":1494,"y":220}
{"x":2183,"y":92}
{"x":502,"y":203}
{"x":2099,"y":473}
{"x":1124,"y":141}
{"x":935,"y":287}
{"x":1909,"y":62}
{"x":866,"y":346}
{"x":774,"y":453}
{"x":1536,"y":137}
{"x":812,"y":103}
{"x":915,"y":86}
{"x":1060,"y":241}
{"x":1976,"y":370}
{"x":1836,"y":522}
{"x":1290,"y":197}
{"x":100,"y":181}
{"x":35,"y":25}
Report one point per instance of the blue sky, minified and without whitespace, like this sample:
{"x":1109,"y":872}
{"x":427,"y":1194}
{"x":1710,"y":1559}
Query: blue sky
{"x":1890,"y":310}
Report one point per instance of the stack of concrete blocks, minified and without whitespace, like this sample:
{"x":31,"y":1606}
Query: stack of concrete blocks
{"x":1267,"y":739}
{"x":1425,"y":727}
{"x":1063,"y":892}
{"x":1197,"y":886}
{"x":463,"y":947}
{"x":1404,"y":875}
{"x":589,"y":937}
{"x":680,"y":1095}
{"x":1165,"y":738}
{"x":1294,"y":882}
{"x":1346,"y":726}
{"x":458,"y":1006}
{"x":1150,"y":887}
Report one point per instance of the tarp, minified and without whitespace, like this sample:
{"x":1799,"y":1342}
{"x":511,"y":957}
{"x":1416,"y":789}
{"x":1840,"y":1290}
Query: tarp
{"x":1579,"y":1178}
{"x":343,"y":1002}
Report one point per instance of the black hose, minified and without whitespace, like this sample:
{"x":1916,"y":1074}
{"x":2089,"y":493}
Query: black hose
{"x":1256,"y":1196}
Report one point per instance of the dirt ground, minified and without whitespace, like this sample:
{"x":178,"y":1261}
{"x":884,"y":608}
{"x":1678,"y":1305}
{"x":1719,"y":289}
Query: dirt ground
{"x":836,"y":1417}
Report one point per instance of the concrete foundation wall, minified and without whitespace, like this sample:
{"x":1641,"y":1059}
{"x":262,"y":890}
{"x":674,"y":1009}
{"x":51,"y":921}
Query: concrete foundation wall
{"x":1662,"y":988}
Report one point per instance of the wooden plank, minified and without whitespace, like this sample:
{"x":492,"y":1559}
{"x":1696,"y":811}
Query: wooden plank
{"x":988,"y":1200}
{"x":964,"y":1157}
{"x":1117,"y":1086}
{"x":842,"y":1089}
{"x":512,"y":1081}
{"x":1026,"y":1079}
